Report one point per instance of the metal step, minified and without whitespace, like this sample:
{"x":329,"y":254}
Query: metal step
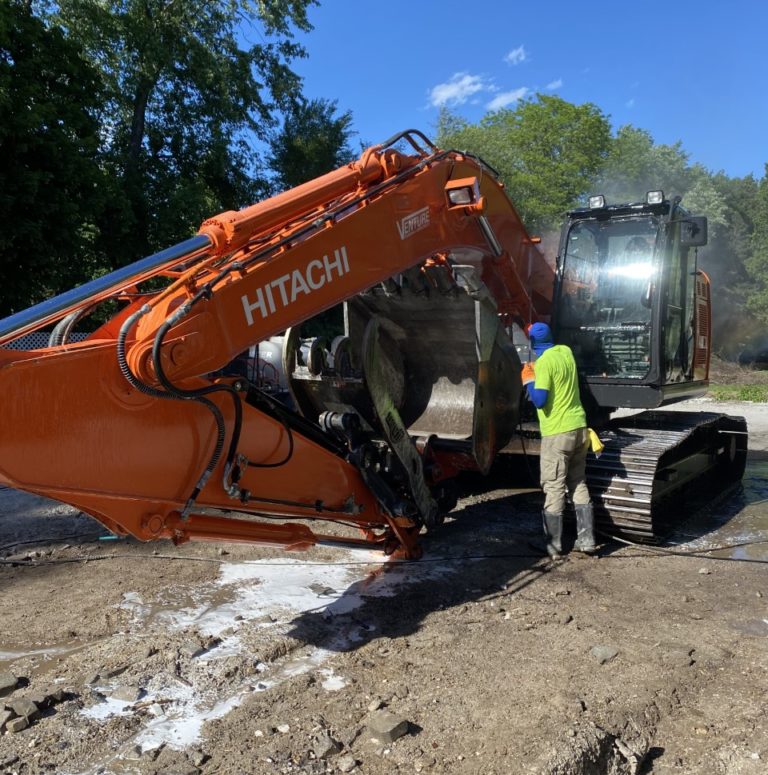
{"x":659,"y":467}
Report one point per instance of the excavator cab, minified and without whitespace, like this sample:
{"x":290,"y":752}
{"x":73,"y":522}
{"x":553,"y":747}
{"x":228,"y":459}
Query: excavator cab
{"x":632,"y":304}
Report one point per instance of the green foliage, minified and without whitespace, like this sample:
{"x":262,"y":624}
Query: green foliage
{"x":546,"y":150}
{"x":182,"y":95}
{"x":757,"y":264}
{"x":52,"y":191}
{"x":310,"y":142}
{"x":755,"y":393}
{"x":125,"y":123}
{"x":635,"y":165}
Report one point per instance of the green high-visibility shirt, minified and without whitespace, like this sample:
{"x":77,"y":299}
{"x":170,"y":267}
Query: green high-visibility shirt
{"x":556,"y":373}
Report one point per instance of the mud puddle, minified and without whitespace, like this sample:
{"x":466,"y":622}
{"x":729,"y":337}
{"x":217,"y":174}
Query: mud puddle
{"x":737,"y":526}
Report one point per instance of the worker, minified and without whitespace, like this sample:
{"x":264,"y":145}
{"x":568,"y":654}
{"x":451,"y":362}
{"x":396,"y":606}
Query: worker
{"x":553,"y":387}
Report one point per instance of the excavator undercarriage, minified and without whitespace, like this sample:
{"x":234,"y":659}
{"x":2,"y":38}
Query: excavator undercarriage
{"x":658,"y":468}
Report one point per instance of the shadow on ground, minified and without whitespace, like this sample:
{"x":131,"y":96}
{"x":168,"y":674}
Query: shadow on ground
{"x":485,"y":549}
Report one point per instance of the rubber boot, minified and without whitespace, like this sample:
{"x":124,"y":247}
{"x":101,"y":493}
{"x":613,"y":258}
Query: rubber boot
{"x":553,"y":532}
{"x":585,"y":528}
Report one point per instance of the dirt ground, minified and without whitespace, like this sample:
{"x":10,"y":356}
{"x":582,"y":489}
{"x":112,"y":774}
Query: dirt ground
{"x":491,"y":659}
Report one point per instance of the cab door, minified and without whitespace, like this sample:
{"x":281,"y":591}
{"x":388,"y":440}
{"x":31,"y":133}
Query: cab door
{"x":686,"y":314}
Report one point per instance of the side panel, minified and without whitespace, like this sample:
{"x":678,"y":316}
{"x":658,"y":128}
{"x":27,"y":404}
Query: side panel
{"x":702,"y":346}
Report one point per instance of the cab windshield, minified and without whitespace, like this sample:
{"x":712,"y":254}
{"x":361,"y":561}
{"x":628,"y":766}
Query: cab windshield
{"x":608,"y":273}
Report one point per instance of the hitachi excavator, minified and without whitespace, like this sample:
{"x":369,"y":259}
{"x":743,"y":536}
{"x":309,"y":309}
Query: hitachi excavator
{"x":146,"y":425}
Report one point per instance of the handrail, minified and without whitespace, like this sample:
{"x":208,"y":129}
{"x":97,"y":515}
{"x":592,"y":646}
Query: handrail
{"x":35,"y":317}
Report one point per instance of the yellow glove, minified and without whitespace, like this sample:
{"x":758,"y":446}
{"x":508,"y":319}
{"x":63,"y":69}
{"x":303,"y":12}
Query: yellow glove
{"x":528,"y":374}
{"x":594,"y":442}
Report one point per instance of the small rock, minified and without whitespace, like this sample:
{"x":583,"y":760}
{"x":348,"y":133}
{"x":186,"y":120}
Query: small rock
{"x":704,"y":571}
{"x":758,"y":594}
{"x":386,"y":727}
{"x":5,"y":717}
{"x":325,"y":746}
{"x":346,"y":763}
{"x":113,"y":671}
{"x":92,"y":678}
{"x":25,"y":708}
{"x":127,"y":693}
{"x":322,"y":590}
{"x":223,"y":552}
{"x":8,"y":682}
{"x":375,"y":705}
{"x":604,"y":654}
{"x":17,"y":724}
{"x":198,"y":758}
{"x":283,"y":729}
{"x":55,"y":696}
{"x":192,"y":649}
{"x":152,"y":750}
{"x":565,"y":619}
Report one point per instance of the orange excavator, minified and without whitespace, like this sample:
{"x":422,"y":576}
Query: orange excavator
{"x":146,"y":425}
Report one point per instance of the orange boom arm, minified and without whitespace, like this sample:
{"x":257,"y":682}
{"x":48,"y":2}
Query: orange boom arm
{"x":141,"y":426}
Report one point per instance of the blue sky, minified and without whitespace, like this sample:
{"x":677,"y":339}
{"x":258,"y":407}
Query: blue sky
{"x":690,"y":71}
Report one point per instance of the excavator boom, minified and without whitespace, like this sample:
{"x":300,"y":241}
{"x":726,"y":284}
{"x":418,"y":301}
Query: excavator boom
{"x":141,"y":425}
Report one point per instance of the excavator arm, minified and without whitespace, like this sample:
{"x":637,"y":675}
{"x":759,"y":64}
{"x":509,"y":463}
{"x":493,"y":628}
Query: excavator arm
{"x":140,"y":426}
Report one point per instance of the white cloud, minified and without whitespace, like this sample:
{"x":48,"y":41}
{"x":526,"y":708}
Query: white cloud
{"x":507,"y":98}
{"x":516,"y":56}
{"x":458,"y":89}
{"x":630,"y":103}
{"x":552,"y":85}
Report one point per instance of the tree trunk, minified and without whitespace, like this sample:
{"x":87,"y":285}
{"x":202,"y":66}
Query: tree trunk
{"x":138,"y":122}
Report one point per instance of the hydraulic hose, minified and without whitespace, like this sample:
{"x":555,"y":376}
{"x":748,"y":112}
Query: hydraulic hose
{"x":155,"y":393}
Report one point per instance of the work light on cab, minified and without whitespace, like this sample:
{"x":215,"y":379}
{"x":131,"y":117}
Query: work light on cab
{"x":595,"y":202}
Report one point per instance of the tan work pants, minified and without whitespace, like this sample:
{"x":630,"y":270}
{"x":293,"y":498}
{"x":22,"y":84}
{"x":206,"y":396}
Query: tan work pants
{"x":563,"y":463}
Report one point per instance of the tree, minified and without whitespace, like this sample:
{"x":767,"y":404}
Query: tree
{"x":547,"y":152}
{"x":52,"y":191}
{"x":724,"y":258}
{"x":636,"y":165}
{"x":757,"y":264}
{"x":310,"y":142}
{"x":184,"y":98}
